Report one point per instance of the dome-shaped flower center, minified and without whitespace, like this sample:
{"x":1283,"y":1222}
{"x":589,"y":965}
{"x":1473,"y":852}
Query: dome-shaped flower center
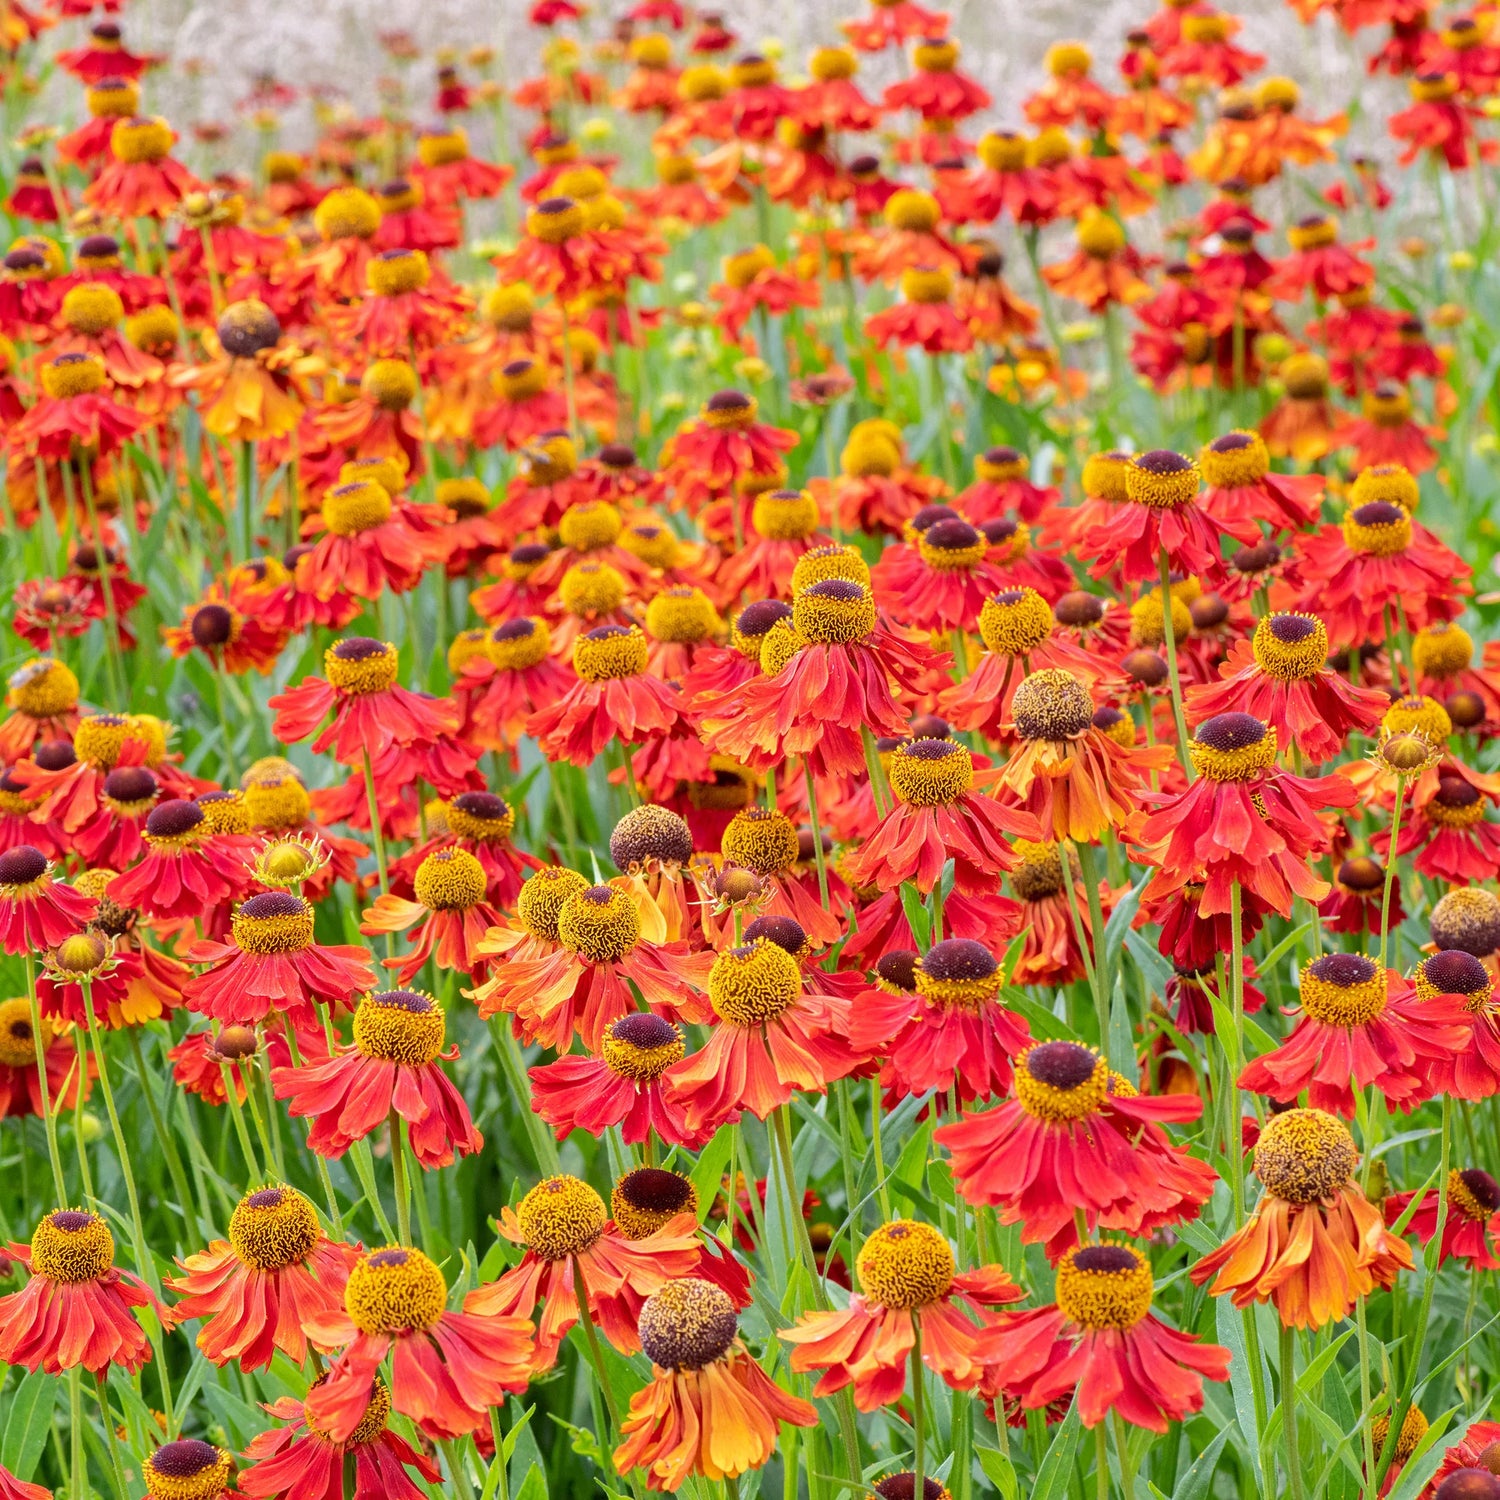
{"x":72,"y":1246}
{"x":17,"y":1040}
{"x":1377,"y":529}
{"x":589,"y":525}
{"x":175,"y":824}
{"x":1415,"y":714}
{"x":1443,"y":649}
{"x":130,"y":791}
{"x":1238,"y":458}
{"x":1413,"y":1430}
{"x":272,"y":1228}
{"x":247,"y":327}
{"x":393,"y":272}
{"x":358,"y":665}
{"x":610,"y":652}
{"x":831,"y":561}
{"x":1304,"y":1155}
{"x":347,"y":213}
{"x":1343,"y":989}
{"x":761,"y":839}
{"x":543,"y":896}
{"x":1103,"y":1286}
{"x":650,"y":836}
{"x":930,"y":773}
{"x":390,"y":384}
{"x":1060,"y":1082}
{"x":276,"y":922}
{"x":21,"y":867}
{"x":1040,"y":874}
{"x":1474,"y":1194}
{"x":687,"y":1324}
{"x":277,"y":802}
{"x":1148,"y":622}
{"x":43,"y":688}
{"x":834,"y":611}
{"x":785,"y":515}
{"x":1290,"y":647}
{"x":1453,"y":972}
{"x":370,"y":1426}
{"x":518,"y":644}
{"x":1361,"y":874}
{"x":905,"y":1264}
{"x":1468,"y":918}
{"x":394,"y":1290}
{"x":481,"y":817}
{"x":647,"y":1198}
{"x":186,"y":1470}
{"x":754,"y":621}
{"x":779,"y":645}
{"x":951,"y":545}
{"x":599,"y":923}
{"x":903,"y":1486}
{"x":1161,"y":479}
{"x":1015,"y":622}
{"x":1118,"y":726}
{"x":958,"y":972}
{"x":1104,"y":477}
{"x":787,"y":934}
{"x":1455,"y":804}
{"x":683,"y":615}
{"x":100,"y":738}
{"x":361,"y":505}
{"x":400,"y":1026}
{"x":641,"y":1047}
{"x":561,"y":1216}
{"x":449,"y":880}
{"x":1052,"y":705}
{"x":755,"y":983}
{"x":730,"y":410}
{"x":1251,"y":562}
{"x":896,"y":972}
{"x":1233,"y":747}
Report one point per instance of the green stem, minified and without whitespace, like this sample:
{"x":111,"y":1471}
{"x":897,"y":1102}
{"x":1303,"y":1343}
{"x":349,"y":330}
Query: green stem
{"x":49,"y":1120}
{"x":819,"y":857}
{"x":403,"y":1187}
{"x":1169,"y":630}
{"x":1390,"y":875}
{"x":918,"y":1412}
{"x":882,"y":1187}
{"x":1289,"y":1408}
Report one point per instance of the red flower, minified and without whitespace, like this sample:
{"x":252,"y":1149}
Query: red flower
{"x":707,"y":456}
{"x":621,"y":1086}
{"x":36,"y":912}
{"x":371,"y":710}
{"x":1281,"y":675}
{"x":583,"y":985}
{"x":1362,"y":1023}
{"x":141,"y":180}
{"x":936,"y":89}
{"x":302,"y":1462}
{"x":76,"y":1307}
{"x":573,"y":1250}
{"x":20,"y":1080}
{"x":907,"y":1272}
{"x":451,"y":906}
{"x":1243,"y":821}
{"x":939,"y":1023}
{"x":1473,"y":1218}
{"x":1238,"y":482}
{"x":1071,"y":1141}
{"x":187,"y":869}
{"x":272,"y":963}
{"x":447,"y":1368}
{"x":371,"y":543}
{"x":73,"y":412}
{"x":773,"y":1037}
{"x":392,"y":1068}
{"x":1100,"y":1342}
{"x":255,"y":1290}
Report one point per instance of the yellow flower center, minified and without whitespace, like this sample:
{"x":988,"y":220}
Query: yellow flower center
{"x":599,"y":923}
{"x":1394,"y":484}
{"x":187,"y":1469}
{"x":1304,"y":1155}
{"x":930,"y":773}
{"x":1343,"y":989}
{"x":1238,"y":458}
{"x":753,"y":984}
{"x":1378,"y":529}
{"x":641,"y":1047}
{"x":1233,"y":747}
{"x":1052,"y":705}
{"x":394,"y":272}
{"x":1467,"y":919}
{"x":390,"y":384}
{"x":349,"y":509}
{"x":912,"y":210}
{"x":449,"y":880}
{"x":347,"y":213}
{"x":481,"y":817}
{"x":394,"y":1290}
{"x":71,"y":1247}
{"x":1104,"y":1286}
{"x":1015,"y":622}
{"x":1474,"y":1194}
{"x":591,"y":588}
{"x":830,"y":561}
{"x":561,"y":1216}
{"x":684,"y":615}
{"x":1039,"y":874}
{"x":1161,"y":479}
{"x":43,"y":688}
{"x":785,"y":515}
{"x":277,"y":802}
{"x":518,"y":644}
{"x":358,"y":665}
{"x":761,"y":839}
{"x":905,"y":1264}
{"x":555,"y":220}
{"x":645,"y":1199}
{"x":1061,"y":1082}
{"x":400,"y":1026}
{"x":276,"y":922}
{"x":1290,"y":647}
{"x":1416,"y":714}
{"x":1443,"y":649}
{"x":72,"y":375}
{"x":1454,"y":972}
{"x":610,"y":652}
{"x":92,"y":308}
{"x":1413,"y":1429}
{"x":543,"y":897}
{"x":139,"y":140}
{"x":273,"y":1228}
{"x":442,"y":148}
{"x":958,"y":972}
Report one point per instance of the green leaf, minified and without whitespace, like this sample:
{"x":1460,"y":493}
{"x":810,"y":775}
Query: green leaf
{"x":916,"y":916}
{"x":1194,"y":1484}
{"x":580,"y":1439}
{"x":28,"y":1418}
{"x":1057,"y":1467}
{"x":534,"y":1486}
{"x":1231,"y":1333}
{"x":1000,"y":1472}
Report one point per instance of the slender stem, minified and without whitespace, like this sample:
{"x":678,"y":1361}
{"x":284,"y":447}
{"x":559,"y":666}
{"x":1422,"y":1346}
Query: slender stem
{"x":1234,"y":1145}
{"x":1289,"y":1408}
{"x":918,"y":1412}
{"x":1390,"y":874}
{"x":403,"y":1187}
{"x":159,"y":1128}
{"x":147,"y":1264}
{"x":1122,"y":1449}
{"x":1090,"y":876}
{"x":819,"y":857}
{"x":1170,"y":632}
{"x":1361,"y":1323}
{"x":49,"y":1120}
{"x":79,"y":1466}
{"x":80,"y":1143}
{"x":796,"y":1218}
{"x":882,"y":1187}
{"x":375,"y":830}
{"x":596,"y":1358}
